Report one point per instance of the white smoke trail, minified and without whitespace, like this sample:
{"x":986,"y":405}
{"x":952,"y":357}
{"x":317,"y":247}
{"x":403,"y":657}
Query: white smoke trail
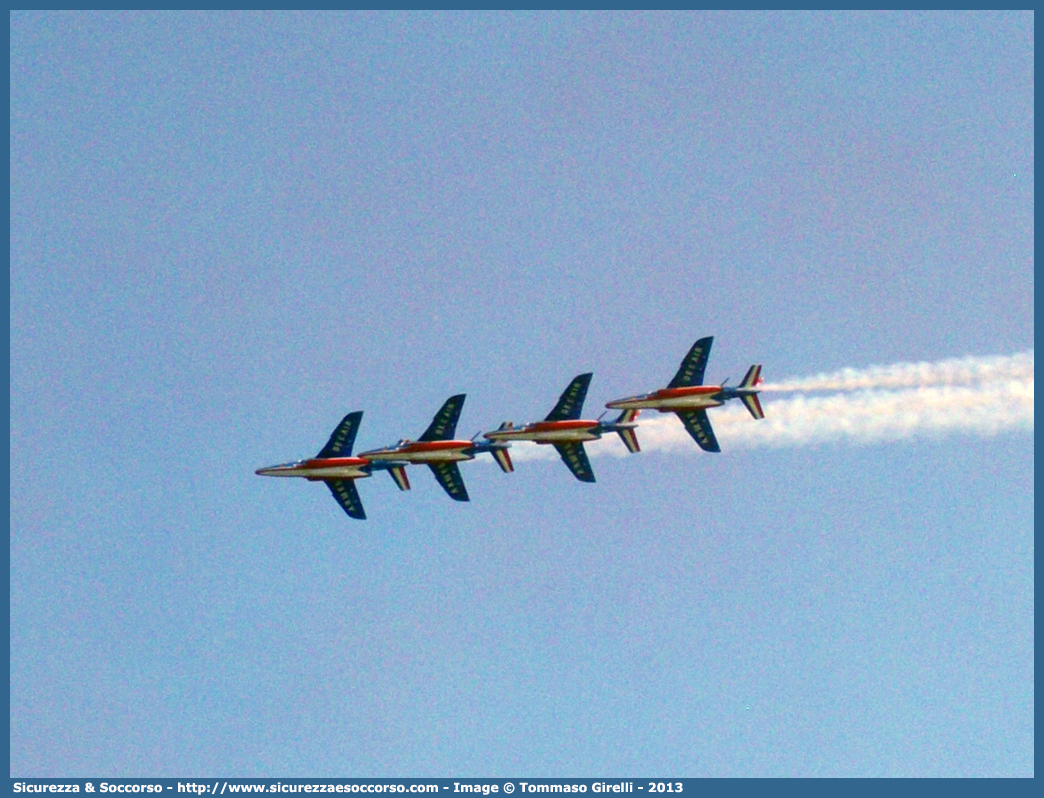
{"x":527,"y":450}
{"x":972,"y":396}
{"x":862,"y":417}
{"x":955,"y":371}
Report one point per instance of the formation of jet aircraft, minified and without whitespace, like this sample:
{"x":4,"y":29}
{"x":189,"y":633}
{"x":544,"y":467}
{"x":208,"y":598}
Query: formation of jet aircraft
{"x":685,"y":395}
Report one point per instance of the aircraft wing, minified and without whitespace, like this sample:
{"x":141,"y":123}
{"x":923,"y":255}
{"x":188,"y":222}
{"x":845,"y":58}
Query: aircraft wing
{"x":444,"y":425}
{"x":691,"y":371}
{"x":571,"y":402}
{"x":575,"y":458}
{"x":699,"y":427}
{"x":343,"y":438}
{"x":448,"y":475}
{"x":347,"y":496}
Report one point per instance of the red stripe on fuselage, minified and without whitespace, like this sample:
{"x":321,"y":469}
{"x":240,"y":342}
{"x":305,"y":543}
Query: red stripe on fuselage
{"x":559,"y":426}
{"x":434,"y":446}
{"x":334,"y":462}
{"x":693,"y":390}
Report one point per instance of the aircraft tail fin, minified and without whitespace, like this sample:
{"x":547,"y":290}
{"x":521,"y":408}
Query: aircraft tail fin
{"x":629,"y":435}
{"x":630,"y":440}
{"x":753,"y":405}
{"x":506,"y":425}
{"x":398,"y":473}
{"x":752,"y":379}
{"x":750,"y":382}
{"x":503,"y":459}
{"x":627,"y":416}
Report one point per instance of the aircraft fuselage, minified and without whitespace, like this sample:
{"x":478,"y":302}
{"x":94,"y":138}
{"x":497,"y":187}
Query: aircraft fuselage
{"x":573,"y":431}
{"x":671,"y":400}
{"x":320,"y":468}
{"x":424,"y":452}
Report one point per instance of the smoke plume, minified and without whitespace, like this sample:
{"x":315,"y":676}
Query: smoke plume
{"x":977,"y":396}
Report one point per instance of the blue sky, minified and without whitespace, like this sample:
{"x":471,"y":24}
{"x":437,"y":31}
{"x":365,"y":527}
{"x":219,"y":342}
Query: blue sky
{"x":229,"y":230}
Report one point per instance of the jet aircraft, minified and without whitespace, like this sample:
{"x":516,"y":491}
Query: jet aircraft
{"x":335,"y":466}
{"x":566,"y":431}
{"x":689,"y":398}
{"x":438,"y":449}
